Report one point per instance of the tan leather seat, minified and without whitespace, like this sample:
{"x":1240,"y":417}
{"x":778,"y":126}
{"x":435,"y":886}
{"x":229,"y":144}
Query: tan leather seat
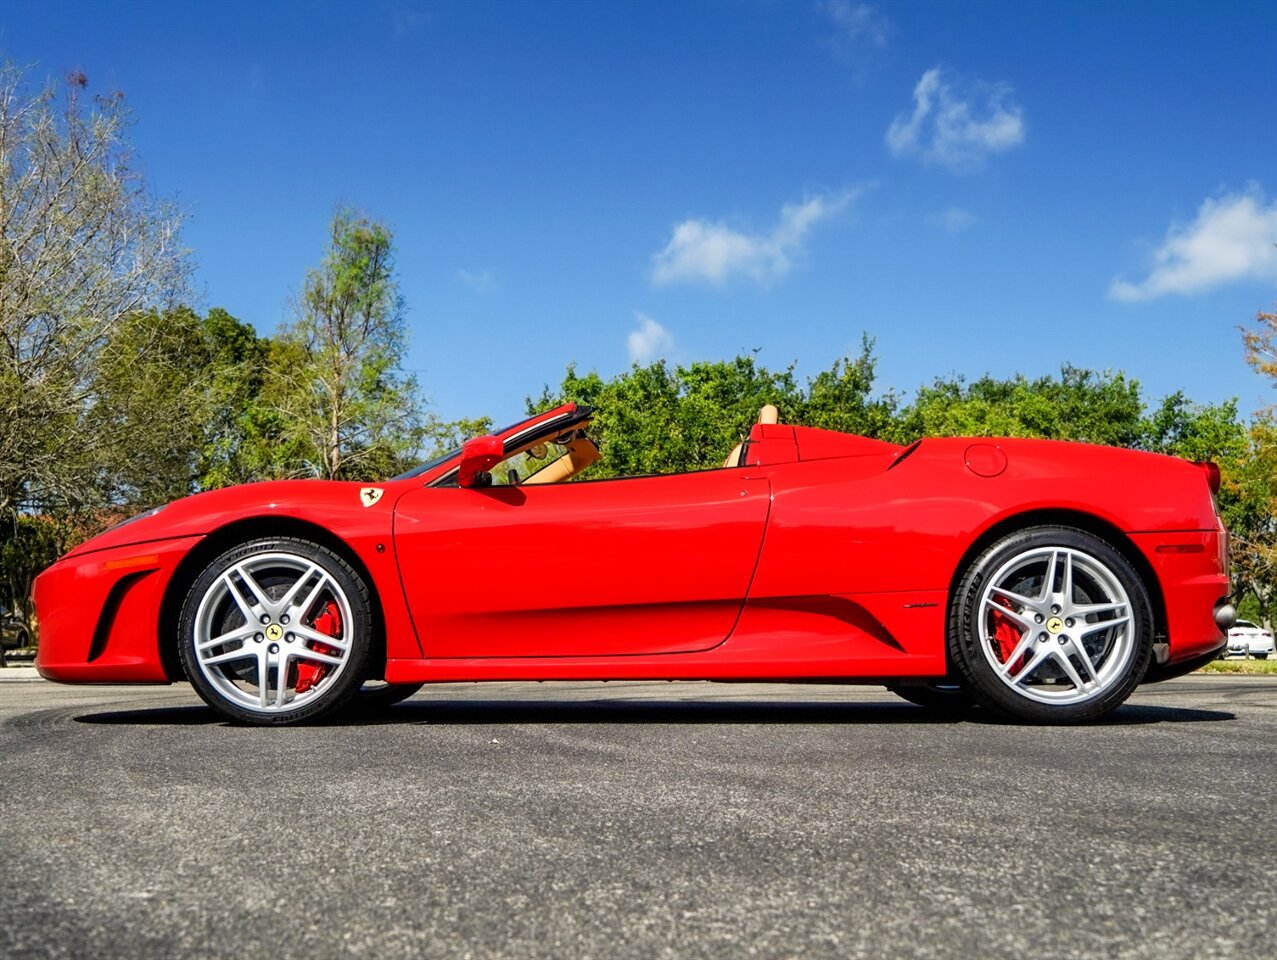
{"x":768,"y":414}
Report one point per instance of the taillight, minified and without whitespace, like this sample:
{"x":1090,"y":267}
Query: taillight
{"x":1211,"y":469}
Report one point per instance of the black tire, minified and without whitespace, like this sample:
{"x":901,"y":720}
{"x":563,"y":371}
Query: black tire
{"x":211,"y":607}
{"x":1260,"y":656}
{"x":936,"y":696}
{"x":1109,"y":654}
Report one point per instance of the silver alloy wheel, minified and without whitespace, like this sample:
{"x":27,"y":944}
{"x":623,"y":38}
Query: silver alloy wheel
{"x":254,"y":630}
{"x":1067,"y":618}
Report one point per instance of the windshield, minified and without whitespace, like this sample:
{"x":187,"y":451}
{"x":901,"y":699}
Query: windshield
{"x":429,"y":464}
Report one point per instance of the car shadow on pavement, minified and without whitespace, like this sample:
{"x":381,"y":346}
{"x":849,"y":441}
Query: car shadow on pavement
{"x":465,"y":712}
{"x":155,"y":716}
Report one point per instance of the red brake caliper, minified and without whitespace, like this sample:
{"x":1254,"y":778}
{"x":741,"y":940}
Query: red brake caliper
{"x":328,"y":622}
{"x":1005,"y":632}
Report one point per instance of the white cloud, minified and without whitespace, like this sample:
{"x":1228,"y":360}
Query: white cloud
{"x":860,"y":24}
{"x":480,"y":281}
{"x":1231,"y":239}
{"x":956,"y":124}
{"x":649,"y":342}
{"x":955,"y":219}
{"x":713,"y":252}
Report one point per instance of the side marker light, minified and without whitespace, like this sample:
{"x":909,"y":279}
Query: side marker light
{"x":131,"y":563}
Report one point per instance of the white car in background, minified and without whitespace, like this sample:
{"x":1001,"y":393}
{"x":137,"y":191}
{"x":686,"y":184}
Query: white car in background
{"x":1248,"y":639}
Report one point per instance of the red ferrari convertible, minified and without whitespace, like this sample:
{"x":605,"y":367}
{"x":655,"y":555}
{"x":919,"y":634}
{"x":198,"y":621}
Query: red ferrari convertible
{"x":1039,"y":580}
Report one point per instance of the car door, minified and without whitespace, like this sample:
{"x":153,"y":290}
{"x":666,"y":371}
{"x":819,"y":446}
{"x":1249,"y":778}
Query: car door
{"x":630,"y":566}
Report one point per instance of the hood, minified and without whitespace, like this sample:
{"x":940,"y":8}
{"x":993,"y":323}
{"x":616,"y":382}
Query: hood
{"x":203,"y":513}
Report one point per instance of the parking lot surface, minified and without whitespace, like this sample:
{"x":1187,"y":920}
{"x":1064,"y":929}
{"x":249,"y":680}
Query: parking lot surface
{"x":638,"y":820}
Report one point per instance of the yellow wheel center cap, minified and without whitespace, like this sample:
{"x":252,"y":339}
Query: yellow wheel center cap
{"x":274,"y":631}
{"x":1055,"y":624}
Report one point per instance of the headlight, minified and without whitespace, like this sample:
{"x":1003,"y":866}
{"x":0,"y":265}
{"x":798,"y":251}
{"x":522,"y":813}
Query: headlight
{"x":141,"y":516}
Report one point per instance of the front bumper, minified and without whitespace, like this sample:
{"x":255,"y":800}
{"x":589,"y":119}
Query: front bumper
{"x":99,"y":613}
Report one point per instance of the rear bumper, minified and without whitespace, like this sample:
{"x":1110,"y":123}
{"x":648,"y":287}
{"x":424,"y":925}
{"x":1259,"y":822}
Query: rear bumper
{"x":1192,"y":570}
{"x":99,"y":613}
{"x":1169,"y":671}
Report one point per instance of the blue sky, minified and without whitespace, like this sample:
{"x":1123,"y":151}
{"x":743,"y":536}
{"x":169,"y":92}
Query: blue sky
{"x":982,"y":187}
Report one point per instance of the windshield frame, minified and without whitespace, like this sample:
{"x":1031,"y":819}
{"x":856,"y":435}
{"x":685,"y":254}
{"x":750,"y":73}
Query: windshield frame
{"x":443,"y":468}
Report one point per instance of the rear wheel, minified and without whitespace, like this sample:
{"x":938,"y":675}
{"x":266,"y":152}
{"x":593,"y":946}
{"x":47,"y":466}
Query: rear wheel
{"x":276,"y":631}
{"x":1051,"y":625}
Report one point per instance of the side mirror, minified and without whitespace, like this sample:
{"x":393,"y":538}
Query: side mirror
{"x":478,"y":455}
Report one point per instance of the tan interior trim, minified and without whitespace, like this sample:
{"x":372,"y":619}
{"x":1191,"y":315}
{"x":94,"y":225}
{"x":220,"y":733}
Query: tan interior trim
{"x":581,"y":454}
{"x":768,"y":414}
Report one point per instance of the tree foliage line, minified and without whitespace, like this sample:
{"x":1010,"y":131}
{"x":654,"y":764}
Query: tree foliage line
{"x":116,"y":394}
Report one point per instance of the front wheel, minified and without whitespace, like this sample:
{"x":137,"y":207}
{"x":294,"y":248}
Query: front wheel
{"x":276,"y":631}
{"x":1051,"y":625}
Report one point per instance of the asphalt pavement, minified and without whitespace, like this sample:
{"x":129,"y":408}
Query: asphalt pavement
{"x":638,"y":820}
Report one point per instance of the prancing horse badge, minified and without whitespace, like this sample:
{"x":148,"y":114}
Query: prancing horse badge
{"x":370,"y":495}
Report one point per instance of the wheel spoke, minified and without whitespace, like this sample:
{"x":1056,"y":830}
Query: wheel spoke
{"x":1035,"y":661}
{"x":286,"y":602}
{"x":282,"y":683}
{"x":1048,"y":582}
{"x":1070,"y":671}
{"x":305,"y":653}
{"x":315,"y":636}
{"x":1019,"y":598}
{"x":239,"y":633}
{"x":242,"y":653}
{"x":1026,"y":641}
{"x":251,"y":605}
{"x":303,"y":608}
{"x":1066,"y":588}
{"x":1098,"y":609}
{"x":1090,"y":628}
{"x":1014,"y":615}
{"x":263,"y":679}
{"x":1080,"y":649}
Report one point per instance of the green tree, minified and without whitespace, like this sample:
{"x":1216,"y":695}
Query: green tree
{"x":1249,"y":500}
{"x":150,"y":405}
{"x":238,"y":429}
{"x":842,"y":398}
{"x":346,"y":408}
{"x":93,"y":412}
{"x":1250,"y":488}
{"x":85,"y":248}
{"x":27,"y":546}
{"x":1195,"y":431}
{"x":443,"y":436}
{"x":1081,"y":405}
{"x":661,"y":419}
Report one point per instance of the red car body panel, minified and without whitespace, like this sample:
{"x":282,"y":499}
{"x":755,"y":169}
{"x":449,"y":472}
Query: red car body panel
{"x":102,"y":610}
{"x":654,"y":565}
{"x":824,"y":556}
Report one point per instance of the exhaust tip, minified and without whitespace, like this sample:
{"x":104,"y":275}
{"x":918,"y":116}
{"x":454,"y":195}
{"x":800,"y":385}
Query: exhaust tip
{"x":1225,"y":615}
